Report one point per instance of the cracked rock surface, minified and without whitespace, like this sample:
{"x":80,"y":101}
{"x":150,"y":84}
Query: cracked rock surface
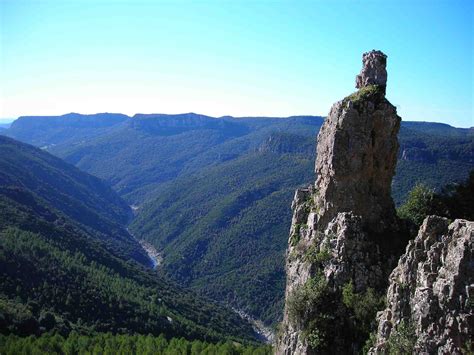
{"x":432,"y":289}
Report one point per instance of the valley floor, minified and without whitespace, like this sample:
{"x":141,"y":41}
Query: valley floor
{"x":266,"y":334}
{"x":154,"y":255}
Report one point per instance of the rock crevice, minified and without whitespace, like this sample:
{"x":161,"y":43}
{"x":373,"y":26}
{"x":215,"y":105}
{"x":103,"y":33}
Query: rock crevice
{"x":431,"y":292}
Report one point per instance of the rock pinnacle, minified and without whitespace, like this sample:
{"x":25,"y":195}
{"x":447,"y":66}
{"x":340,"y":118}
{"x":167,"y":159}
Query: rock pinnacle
{"x":373,"y":71}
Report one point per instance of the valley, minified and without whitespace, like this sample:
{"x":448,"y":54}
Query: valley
{"x":212,"y":195}
{"x":69,"y":264}
{"x":153,"y":254}
{"x":207,"y":177}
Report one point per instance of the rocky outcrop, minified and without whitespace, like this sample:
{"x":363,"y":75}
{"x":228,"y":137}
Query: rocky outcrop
{"x":340,"y":224}
{"x":356,"y":159}
{"x":431,"y":293}
{"x":418,"y":155}
{"x":373,"y":71}
{"x":345,"y":240}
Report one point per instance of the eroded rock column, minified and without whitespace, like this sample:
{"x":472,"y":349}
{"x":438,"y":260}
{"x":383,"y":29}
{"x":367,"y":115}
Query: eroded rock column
{"x":339,"y":223}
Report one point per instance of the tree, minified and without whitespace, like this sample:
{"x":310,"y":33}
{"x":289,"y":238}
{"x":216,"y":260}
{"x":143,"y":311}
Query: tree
{"x":419,"y":204}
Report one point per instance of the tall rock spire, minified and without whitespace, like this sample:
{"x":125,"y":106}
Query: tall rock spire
{"x":342,"y":224}
{"x":357,"y":150}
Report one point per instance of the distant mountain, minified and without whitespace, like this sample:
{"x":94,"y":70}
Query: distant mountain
{"x":433,"y":159}
{"x":211,"y":191}
{"x":140,"y":153}
{"x":46,"y":131}
{"x":435,"y":128}
{"x":62,"y":269}
{"x":5,"y":123}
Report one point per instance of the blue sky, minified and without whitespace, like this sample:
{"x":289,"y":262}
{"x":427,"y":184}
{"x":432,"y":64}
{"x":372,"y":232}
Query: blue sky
{"x":275,"y":58}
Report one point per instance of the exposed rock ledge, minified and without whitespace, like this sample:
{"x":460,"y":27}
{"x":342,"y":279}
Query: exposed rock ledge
{"x":431,"y":291}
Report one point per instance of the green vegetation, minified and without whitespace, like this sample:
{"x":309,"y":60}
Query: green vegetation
{"x":305,"y":298}
{"x":214,"y":195}
{"x":364,"y":94}
{"x":308,"y":307}
{"x":224,"y":232}
{"x":60,"y":275}
{"x":108,"y":344}
{"x":27,"y":172}
{"x":418,"y":204}
{"x":294,"y":239}
{"x":369,"y":343}
{"x":363,"y":307}
{"x":402,"y":339}
{"x":309,"y":205}
{"x":314,"y":308}
{"x":46,"y":286}
{"x":454,"y":201}
{"x":434,"y":157}
{"x":317,"y":256}
{"x":468,"y":348}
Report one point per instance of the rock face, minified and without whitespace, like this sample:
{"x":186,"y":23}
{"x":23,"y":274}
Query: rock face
{"x":431,"y":294}
{"x":356,"y":159}
{"x":357,"y":151}
{"x":345,"y":239}
{"x":339,"y":222}
{"x":374,"y":71}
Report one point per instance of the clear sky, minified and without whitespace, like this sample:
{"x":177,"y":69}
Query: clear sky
{"x":275,"y":58}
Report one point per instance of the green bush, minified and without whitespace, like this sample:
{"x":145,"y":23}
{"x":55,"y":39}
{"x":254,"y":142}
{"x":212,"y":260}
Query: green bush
{"x":454,"y":201}
{"x":294,"y":239}
{"x":418,"y":205}
{"x":369,"y":343}
{"x":307,"y":308}
{"x":315,"y":338}
{"x":306,"y":298}
{"x":402,"y":340}
{"x":364,"y":306}
{"x":314,"y":255}
{"x":364,"y":93}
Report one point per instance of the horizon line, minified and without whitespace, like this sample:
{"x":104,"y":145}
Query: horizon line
{"x":7,"y":120}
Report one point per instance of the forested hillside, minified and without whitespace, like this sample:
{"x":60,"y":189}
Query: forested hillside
{"x":47,"y":131}
{"x":136,"y":155}
{"x":434,"y":154}
{"x":89,"y":203}
{"x":59,"y":273}
{"x":212,"y":193}
{"x":122,"y":344}
{"x":223,"y":231}
{"x":140,"y":154}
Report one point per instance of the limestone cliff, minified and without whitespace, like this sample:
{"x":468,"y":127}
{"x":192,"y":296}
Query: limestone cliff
{"x":430,"y":300}
{"x":345,"y":241}
{"x":342,"y":226}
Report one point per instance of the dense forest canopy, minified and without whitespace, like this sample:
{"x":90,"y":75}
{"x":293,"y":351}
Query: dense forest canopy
{"x":60,"y":274}
{"x":108,"y":344}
